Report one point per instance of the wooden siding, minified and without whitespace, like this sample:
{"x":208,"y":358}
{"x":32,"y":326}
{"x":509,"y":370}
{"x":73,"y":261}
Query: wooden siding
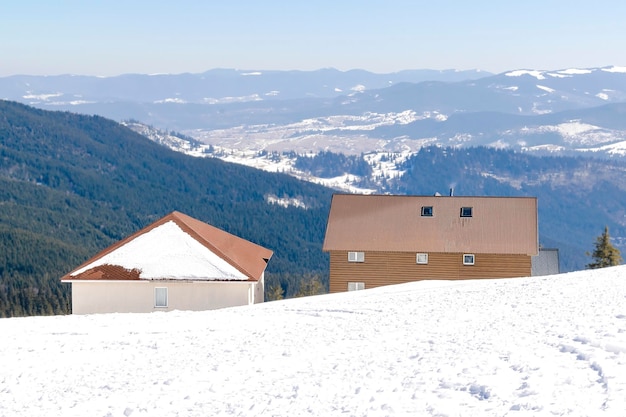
{"x":386,"y":268}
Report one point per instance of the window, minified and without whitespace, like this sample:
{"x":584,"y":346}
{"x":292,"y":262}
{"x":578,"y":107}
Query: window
{"x":160,"y":297}
{"x":466,"y":212}
{"x":422,"y":258}
{"x":427,"y":211}
{"x":356,"y":286}
{"x":468,"y":259}
{"x":356,"y":256}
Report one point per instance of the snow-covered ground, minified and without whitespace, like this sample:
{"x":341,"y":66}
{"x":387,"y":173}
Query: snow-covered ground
{"x":545,"y":346}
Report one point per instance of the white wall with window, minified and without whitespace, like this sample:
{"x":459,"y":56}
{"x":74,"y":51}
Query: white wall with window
{"x":160,"y":297}
{"x":143,"y":296}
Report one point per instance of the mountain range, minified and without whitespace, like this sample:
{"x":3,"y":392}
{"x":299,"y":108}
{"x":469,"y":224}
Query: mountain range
{"x":562,"y":112}
{"x":74,"y":183}
{"x":216,"y":86}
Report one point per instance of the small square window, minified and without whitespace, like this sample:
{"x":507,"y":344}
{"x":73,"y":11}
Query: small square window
{"x":422,"y":258}
{"x":356,"y":286}
{"x":466,"y":212}
{"x":468,"y":259}
{"x":160,"y":297}
{"x":427,"y":211}
{"x":356,"y":256}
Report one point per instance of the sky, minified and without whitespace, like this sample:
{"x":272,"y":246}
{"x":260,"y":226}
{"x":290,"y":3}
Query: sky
{"x":112,"y":37}
{"x":540,"y":346}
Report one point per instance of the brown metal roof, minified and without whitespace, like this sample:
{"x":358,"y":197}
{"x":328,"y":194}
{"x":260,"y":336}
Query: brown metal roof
{"x":247,"y":257}
{"x":499,"y":225}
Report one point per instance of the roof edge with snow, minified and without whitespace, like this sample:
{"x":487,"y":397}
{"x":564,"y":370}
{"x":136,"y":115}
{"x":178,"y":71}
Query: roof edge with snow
{"x":232,"y":258}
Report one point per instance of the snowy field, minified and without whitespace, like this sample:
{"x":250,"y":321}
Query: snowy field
{"x":547,"y":346}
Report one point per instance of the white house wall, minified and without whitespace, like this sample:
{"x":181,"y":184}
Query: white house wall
{"x":259,"y":290}
{"x":89,"y":297}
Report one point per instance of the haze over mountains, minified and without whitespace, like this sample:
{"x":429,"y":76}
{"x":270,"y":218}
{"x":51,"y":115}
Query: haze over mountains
{"x":213,"y":86}
{"x":570,"y":111}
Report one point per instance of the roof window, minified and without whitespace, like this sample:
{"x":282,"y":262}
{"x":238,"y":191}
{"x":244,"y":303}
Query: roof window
{"x":427,"y":211}
{"x":466,"y":212}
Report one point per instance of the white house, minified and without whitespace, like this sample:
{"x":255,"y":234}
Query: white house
{"x":176,"y":263}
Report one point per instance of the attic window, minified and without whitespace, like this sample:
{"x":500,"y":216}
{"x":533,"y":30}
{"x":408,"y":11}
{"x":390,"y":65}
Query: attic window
{"x":421,"y":258}
{"x":427,"y":211}
{"x":356,"y":256}
{"x":160,"y":297}
{"x":468,"y":259}
{"x":466,"y":212}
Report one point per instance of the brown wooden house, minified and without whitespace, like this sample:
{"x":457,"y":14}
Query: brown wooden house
{"x":376,"y":240}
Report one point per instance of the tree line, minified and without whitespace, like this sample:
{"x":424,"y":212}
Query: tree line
{"x":80,"y":183}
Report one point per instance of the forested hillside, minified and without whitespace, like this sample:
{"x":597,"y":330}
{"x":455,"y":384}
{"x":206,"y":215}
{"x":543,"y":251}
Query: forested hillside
{"x":73,"y":184}
{"x":576,"y":197}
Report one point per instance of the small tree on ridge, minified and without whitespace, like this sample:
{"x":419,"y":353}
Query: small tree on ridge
{"x":604,"y":254}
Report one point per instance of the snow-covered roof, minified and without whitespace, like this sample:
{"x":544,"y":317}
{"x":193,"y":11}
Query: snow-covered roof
{"x":177,"y":247}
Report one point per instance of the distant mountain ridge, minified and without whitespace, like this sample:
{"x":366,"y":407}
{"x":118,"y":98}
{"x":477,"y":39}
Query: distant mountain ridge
{"x":216,"y":86}
{"x":566,"y":112}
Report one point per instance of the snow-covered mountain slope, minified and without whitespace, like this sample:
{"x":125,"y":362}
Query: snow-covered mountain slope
{"x":594,"y":130}
{"x":386,"y":141}
{"x":551,"y":345}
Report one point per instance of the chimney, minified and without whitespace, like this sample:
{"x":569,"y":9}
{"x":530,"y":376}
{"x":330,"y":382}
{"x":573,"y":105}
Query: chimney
{"x":451,"y":192}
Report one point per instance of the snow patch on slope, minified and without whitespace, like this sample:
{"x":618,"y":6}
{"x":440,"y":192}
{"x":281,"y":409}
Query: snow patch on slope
{"x":544,"y":88}
{"x":575,"y":71}
{"x":615,"y":69}
{"x":542,"y":75}
{"x":533,"y":73}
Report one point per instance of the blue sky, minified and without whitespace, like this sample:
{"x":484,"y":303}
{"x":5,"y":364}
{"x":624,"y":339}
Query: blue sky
{"x":111,"y":37}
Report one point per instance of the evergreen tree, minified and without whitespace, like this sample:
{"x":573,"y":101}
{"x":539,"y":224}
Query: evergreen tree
{"x":311,"y":285}
{"x":604,"y":254}
{"x":275,"y":292}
